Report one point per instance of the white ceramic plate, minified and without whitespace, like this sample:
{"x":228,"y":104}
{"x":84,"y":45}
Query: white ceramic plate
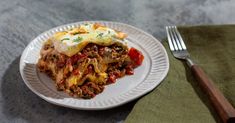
{"x":153,"y":70}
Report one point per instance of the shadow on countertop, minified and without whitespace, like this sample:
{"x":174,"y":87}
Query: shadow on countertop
{"x":20,"y":104}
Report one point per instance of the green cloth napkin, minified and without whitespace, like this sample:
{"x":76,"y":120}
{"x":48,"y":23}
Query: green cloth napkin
{"x":179,"y":99}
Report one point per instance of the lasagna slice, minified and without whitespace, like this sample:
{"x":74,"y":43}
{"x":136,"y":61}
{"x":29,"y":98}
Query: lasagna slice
{"x":84,"y":59}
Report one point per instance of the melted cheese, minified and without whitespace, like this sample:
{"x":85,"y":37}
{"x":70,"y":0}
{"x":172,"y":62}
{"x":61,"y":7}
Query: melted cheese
{"x":72,"y":41}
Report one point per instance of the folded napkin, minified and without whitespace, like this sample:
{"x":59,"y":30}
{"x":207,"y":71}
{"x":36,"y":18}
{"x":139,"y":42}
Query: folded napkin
{"x":179,"y":99}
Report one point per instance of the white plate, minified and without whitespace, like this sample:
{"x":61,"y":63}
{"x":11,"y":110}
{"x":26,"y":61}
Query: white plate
{"x":153,"y":70}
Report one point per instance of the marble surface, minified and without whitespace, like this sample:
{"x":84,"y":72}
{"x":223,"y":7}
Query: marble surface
{"x":22,"y":20}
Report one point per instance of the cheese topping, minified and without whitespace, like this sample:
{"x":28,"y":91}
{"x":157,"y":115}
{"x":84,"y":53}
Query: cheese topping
{"x":72,"y":41}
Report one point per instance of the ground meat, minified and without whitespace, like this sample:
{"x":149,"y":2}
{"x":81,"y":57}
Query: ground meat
{"x":60,"y":67}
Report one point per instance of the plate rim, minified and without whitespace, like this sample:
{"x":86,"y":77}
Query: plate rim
{"x":164,"y":74}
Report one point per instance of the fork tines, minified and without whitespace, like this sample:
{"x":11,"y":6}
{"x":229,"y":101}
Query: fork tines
{"x":175,"y":40}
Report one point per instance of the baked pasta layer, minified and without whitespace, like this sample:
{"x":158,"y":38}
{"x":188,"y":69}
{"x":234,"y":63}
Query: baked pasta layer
{"x":87,"y":65}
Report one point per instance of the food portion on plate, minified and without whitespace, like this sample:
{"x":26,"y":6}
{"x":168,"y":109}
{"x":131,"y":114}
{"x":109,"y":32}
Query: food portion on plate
{"x":85,"y":59}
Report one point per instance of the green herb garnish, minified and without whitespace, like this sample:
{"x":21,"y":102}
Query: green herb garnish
{"x":86,"y":24}
{"x":65,"y":39}
{"x":100,"y":35}
{"x":77,"y":39}
{"x":75,"y":33}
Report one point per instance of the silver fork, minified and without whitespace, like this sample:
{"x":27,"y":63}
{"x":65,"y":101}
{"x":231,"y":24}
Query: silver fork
{"x":220,"y":103}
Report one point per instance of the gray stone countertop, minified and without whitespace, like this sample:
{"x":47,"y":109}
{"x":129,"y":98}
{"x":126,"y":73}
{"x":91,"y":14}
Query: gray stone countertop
{"x":23,"y":20}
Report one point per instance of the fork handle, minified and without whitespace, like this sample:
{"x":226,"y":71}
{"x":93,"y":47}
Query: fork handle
{"x":224,"y":109}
